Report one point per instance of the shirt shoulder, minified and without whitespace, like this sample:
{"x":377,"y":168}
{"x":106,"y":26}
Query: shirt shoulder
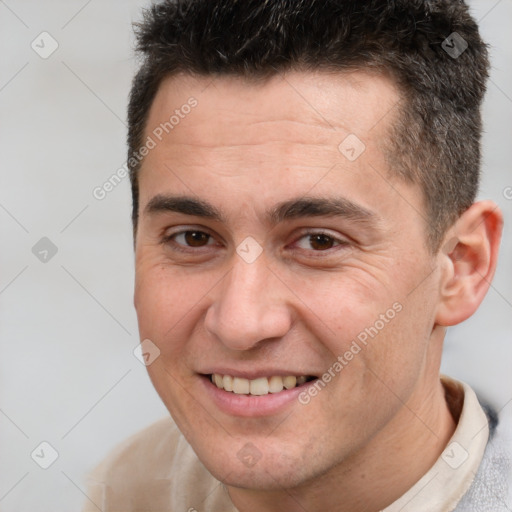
{"x":154,"y":470}
{"x":492,"y":486}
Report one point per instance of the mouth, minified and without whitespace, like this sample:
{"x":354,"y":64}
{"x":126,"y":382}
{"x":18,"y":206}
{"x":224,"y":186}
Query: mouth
{"x":261,"y":386}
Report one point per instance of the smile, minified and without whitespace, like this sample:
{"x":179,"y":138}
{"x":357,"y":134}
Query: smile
{"x":260,"y":386}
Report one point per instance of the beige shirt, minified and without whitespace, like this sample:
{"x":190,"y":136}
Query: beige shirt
{"x":157,"y":470}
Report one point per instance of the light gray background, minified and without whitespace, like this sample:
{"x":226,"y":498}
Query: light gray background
{"x":68,"y":375}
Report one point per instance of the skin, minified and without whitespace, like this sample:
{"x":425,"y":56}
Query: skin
{"x":382,"y":422}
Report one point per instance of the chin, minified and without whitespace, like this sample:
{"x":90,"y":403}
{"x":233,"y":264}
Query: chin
{"x":273,"y":468}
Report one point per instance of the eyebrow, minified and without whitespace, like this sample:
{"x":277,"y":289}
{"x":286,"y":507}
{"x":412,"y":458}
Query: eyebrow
{"x":287,"y":210}
{"x":183,"y":204}
{"x":320,"y":207}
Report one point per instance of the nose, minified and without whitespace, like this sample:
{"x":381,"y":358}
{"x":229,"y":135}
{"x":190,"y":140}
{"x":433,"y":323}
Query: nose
{"x":249,"y":306}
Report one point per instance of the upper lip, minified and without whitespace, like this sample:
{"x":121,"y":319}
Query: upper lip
{"x":255,"y":374}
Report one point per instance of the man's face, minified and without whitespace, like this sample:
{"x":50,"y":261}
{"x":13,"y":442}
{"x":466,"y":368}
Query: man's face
{"x":265,"y":249}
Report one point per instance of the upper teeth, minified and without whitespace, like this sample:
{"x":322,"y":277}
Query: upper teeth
{"x":260,"y":386}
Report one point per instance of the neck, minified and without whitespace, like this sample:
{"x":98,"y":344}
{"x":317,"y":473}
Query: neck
{"x":379,"y":473}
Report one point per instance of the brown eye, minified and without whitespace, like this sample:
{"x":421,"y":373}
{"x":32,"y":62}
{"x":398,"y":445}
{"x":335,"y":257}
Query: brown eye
{"x":196,"y":238}
{"x":191,"y":238}
{"x":321,"y":242}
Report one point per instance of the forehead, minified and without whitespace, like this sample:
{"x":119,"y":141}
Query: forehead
{"x":301,"y":120}
{"x":357,"y":102}
{"x":264,"y":142}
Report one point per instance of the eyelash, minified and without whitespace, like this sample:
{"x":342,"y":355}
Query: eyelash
{"x":339,"y":243}
{"x":170,"y":238}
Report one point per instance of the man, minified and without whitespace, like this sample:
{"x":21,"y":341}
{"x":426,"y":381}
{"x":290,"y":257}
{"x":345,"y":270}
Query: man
{"x":304,"y":176}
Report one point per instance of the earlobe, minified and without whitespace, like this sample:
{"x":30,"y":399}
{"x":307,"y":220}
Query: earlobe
{"x":468,"y":260}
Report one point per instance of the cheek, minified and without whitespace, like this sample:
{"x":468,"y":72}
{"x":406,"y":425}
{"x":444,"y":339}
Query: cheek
{"x":340,"y":306}
{"x":161,"y":302}
{"x":372,"y":326}
{"x":170,"y":303}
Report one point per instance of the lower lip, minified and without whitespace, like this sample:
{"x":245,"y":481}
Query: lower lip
{"x":250,"y":405}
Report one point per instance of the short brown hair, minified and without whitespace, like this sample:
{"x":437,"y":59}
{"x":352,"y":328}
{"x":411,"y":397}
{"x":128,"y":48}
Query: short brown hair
{"x":431,"y":48}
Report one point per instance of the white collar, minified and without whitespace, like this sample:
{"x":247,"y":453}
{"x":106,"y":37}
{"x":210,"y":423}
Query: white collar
{"x":442,"y":487}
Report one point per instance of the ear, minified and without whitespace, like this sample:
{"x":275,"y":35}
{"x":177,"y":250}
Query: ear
{"x":468,"y":261}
